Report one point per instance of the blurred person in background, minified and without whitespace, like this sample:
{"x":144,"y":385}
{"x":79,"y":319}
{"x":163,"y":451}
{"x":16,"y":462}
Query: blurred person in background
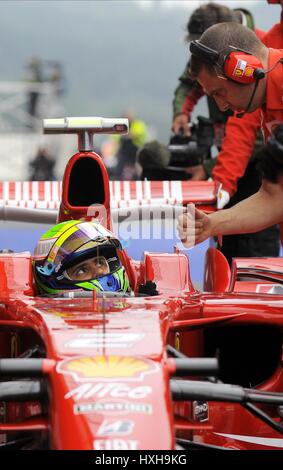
{"x":34,"y":77}
{"x":128,"y":146}
{"x":189,"y":91}
{"x":56,"y":77}
{"x":270,"y":158}
{"x":47,"y":101}
{"x":41,"y":168}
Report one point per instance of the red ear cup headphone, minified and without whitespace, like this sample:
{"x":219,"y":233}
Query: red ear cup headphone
{"x":242,"y":67}
{"x":239,"y":66}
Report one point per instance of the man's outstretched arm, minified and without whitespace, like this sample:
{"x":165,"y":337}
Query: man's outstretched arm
{"x":263,"y":209}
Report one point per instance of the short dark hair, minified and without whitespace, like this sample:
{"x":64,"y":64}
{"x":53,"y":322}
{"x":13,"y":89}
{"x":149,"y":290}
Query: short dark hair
{"x":270,"y":157}
{"x":219,"y":37}
{"x":206,"y":16}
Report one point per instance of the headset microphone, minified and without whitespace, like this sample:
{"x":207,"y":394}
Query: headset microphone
{"x":240,"y":115}
{"x":258,"y":74}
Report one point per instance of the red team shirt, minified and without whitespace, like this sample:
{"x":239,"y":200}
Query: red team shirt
{"x":238,"y":143}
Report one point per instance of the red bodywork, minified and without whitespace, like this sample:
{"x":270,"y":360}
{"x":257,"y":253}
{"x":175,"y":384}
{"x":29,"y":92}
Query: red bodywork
{"x":106,"y":362}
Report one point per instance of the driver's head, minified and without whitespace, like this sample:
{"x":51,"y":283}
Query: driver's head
{"x":78,"y":255}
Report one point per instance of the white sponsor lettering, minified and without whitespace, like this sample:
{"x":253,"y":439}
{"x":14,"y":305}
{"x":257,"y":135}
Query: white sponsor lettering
{"x":115,"y":444}
{"x":200,"y":410}
{"x":119,"y":427}
{"x":113,"y":407}
{"x":113,"y":390}
{"x":108,"y":340}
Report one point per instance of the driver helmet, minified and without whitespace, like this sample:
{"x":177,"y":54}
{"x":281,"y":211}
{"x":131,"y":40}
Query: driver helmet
{"x":78,"y":255}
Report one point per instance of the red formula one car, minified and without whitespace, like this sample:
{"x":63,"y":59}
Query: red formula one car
{"x":166,"y":367}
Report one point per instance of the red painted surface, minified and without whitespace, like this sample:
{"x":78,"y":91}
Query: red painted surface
{"x":80,"y":329}
{"x":107,"y":359}
{"x":47,"y":194}
{"x":217,"y":276}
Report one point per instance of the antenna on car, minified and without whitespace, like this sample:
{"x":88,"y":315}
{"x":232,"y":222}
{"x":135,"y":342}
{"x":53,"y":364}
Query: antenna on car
{"x":86,"y":127}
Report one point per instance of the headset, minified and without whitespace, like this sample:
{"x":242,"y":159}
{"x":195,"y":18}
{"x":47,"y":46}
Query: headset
{"x":237,"y":65}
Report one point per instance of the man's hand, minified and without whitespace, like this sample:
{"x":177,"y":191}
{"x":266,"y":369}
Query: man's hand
{"x":193,"y":227}
{"x":198,"y":172}
{"x":181,"y":122}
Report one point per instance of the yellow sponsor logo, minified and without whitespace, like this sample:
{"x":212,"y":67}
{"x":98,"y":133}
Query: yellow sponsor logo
{"x":14,"y":345}
{"x":177,"y":341}
{"x":238,"y":72}
{"x":56,"y":313}
{"x":249,"y":71}
{"x":89,"y":368}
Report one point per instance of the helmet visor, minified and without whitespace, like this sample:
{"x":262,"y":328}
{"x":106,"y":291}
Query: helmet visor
{"x":88,"y":269}
{"x":76,"y":239}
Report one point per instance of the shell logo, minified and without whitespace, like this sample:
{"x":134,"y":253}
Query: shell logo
{"x":112,"y":368}
{"x":249,"y":71}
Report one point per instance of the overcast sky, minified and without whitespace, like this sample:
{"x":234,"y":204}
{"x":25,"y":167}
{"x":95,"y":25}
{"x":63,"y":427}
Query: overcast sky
{"x":265,"y":15}
{"x":115,"y":54}
{"x":147,"y":4}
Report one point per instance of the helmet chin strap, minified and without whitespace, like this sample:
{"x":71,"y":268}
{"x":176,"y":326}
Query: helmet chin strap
{"x":240,"y":115}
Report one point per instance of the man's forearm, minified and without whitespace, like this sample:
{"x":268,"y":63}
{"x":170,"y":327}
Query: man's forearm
{"x":259,"y":211}
{"x":179,"y":97}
